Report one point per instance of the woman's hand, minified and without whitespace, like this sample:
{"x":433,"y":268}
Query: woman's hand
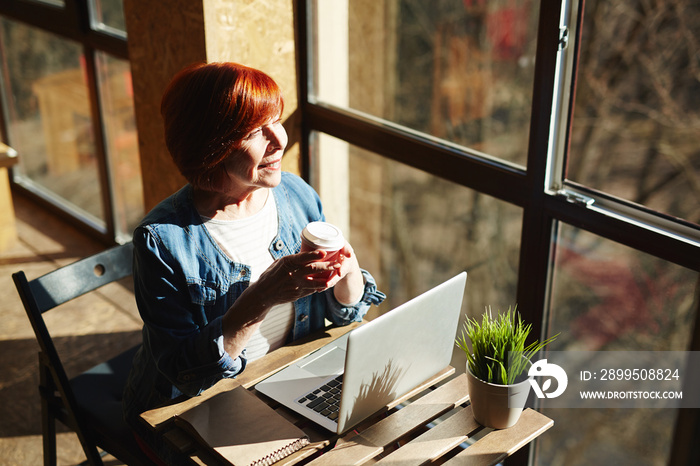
{"x":286,"y":280}
{"x":348,"y":283}
{"x":293,"y":277}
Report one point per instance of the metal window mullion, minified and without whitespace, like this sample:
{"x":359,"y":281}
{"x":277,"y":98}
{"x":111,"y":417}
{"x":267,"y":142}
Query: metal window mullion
{"x":493,"y":178}
{"x":563,"y":94}
{"x":68,"y":23}
{"x":604,"y":220}
{"x":537,"y":226}
{"x":103,"y":167}
{"x":48,"y":17}
{"x":303,"y":31}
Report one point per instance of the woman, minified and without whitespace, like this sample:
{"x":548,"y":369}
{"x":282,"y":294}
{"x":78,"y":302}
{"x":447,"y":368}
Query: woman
{"x":219,"y":280}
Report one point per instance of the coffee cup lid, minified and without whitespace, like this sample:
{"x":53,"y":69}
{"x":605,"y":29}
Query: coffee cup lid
{"x":324,"y":235}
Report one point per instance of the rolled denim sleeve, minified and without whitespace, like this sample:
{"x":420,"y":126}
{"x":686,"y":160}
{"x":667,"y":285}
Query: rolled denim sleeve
{"x":185,"y":342}
{"x":339,"y":314}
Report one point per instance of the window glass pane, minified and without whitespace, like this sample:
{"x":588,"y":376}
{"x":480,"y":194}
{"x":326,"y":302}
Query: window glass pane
{"x":116,"y":97}
{"x":108,"y":16}
{"x":608,"y":297}
{"x":637,"y":112}
{"x":48,"y":115}
{"x":412,"y":230}
{"x":454,"y":69}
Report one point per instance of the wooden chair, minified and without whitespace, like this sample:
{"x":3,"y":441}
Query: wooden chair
{"x":89,"y":404}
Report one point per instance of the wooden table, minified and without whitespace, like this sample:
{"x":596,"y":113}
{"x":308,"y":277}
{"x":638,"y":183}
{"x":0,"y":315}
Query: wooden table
{"x":432,"y":423}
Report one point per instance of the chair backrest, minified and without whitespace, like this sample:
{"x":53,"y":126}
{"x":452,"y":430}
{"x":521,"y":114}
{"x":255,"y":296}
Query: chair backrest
{"x":60,"y":286}
{"x":83,"y":276}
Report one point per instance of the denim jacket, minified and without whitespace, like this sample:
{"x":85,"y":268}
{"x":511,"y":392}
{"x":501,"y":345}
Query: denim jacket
{"x":184,"y":284}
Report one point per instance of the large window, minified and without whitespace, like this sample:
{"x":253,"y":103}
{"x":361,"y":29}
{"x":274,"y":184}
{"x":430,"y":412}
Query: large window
{"x":552,"y":151}
{"x":608,"y":297}
{"x":68,"y":110}
{"x":459,"y":71}
{"x":637,"y":113}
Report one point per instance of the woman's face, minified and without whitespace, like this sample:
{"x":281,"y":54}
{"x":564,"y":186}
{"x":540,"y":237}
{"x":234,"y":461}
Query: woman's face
{"x":258,"y":162}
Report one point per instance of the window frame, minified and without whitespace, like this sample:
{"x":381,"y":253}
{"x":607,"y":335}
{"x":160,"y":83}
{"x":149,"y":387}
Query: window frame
{"x":73,"y":22}
{"x":538,"y":190}
{"x":635,"y":226}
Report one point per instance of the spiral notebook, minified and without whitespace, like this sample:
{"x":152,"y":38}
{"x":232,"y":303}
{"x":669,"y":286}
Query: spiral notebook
{"x":242,"y":429}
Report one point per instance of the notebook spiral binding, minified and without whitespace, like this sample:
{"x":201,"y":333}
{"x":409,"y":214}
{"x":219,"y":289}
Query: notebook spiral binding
{"x":275,"y":456}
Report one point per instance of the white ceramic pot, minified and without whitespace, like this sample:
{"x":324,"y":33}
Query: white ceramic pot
{"x":494,"y":405}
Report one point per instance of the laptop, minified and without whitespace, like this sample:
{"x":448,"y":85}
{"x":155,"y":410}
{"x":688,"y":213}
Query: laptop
{"x":358,"y":374}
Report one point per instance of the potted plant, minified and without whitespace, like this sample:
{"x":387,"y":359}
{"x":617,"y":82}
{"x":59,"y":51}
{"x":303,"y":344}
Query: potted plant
{"x":497,"y":364}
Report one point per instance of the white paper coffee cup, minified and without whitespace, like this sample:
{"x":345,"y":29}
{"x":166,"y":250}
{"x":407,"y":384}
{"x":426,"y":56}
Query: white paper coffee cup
{"x":324,"y":236}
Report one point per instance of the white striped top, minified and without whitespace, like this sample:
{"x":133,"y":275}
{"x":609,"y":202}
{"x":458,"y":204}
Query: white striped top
{"x":247,"y":241}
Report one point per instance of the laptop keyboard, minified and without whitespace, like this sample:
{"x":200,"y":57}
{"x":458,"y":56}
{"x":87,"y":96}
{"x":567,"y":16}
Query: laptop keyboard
{"x":325,"y":400}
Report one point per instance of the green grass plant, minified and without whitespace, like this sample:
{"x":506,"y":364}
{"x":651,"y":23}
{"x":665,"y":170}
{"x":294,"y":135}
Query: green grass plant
{"x":498,"y":353}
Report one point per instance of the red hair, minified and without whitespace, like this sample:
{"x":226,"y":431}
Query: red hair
{"x":209,"y":108}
